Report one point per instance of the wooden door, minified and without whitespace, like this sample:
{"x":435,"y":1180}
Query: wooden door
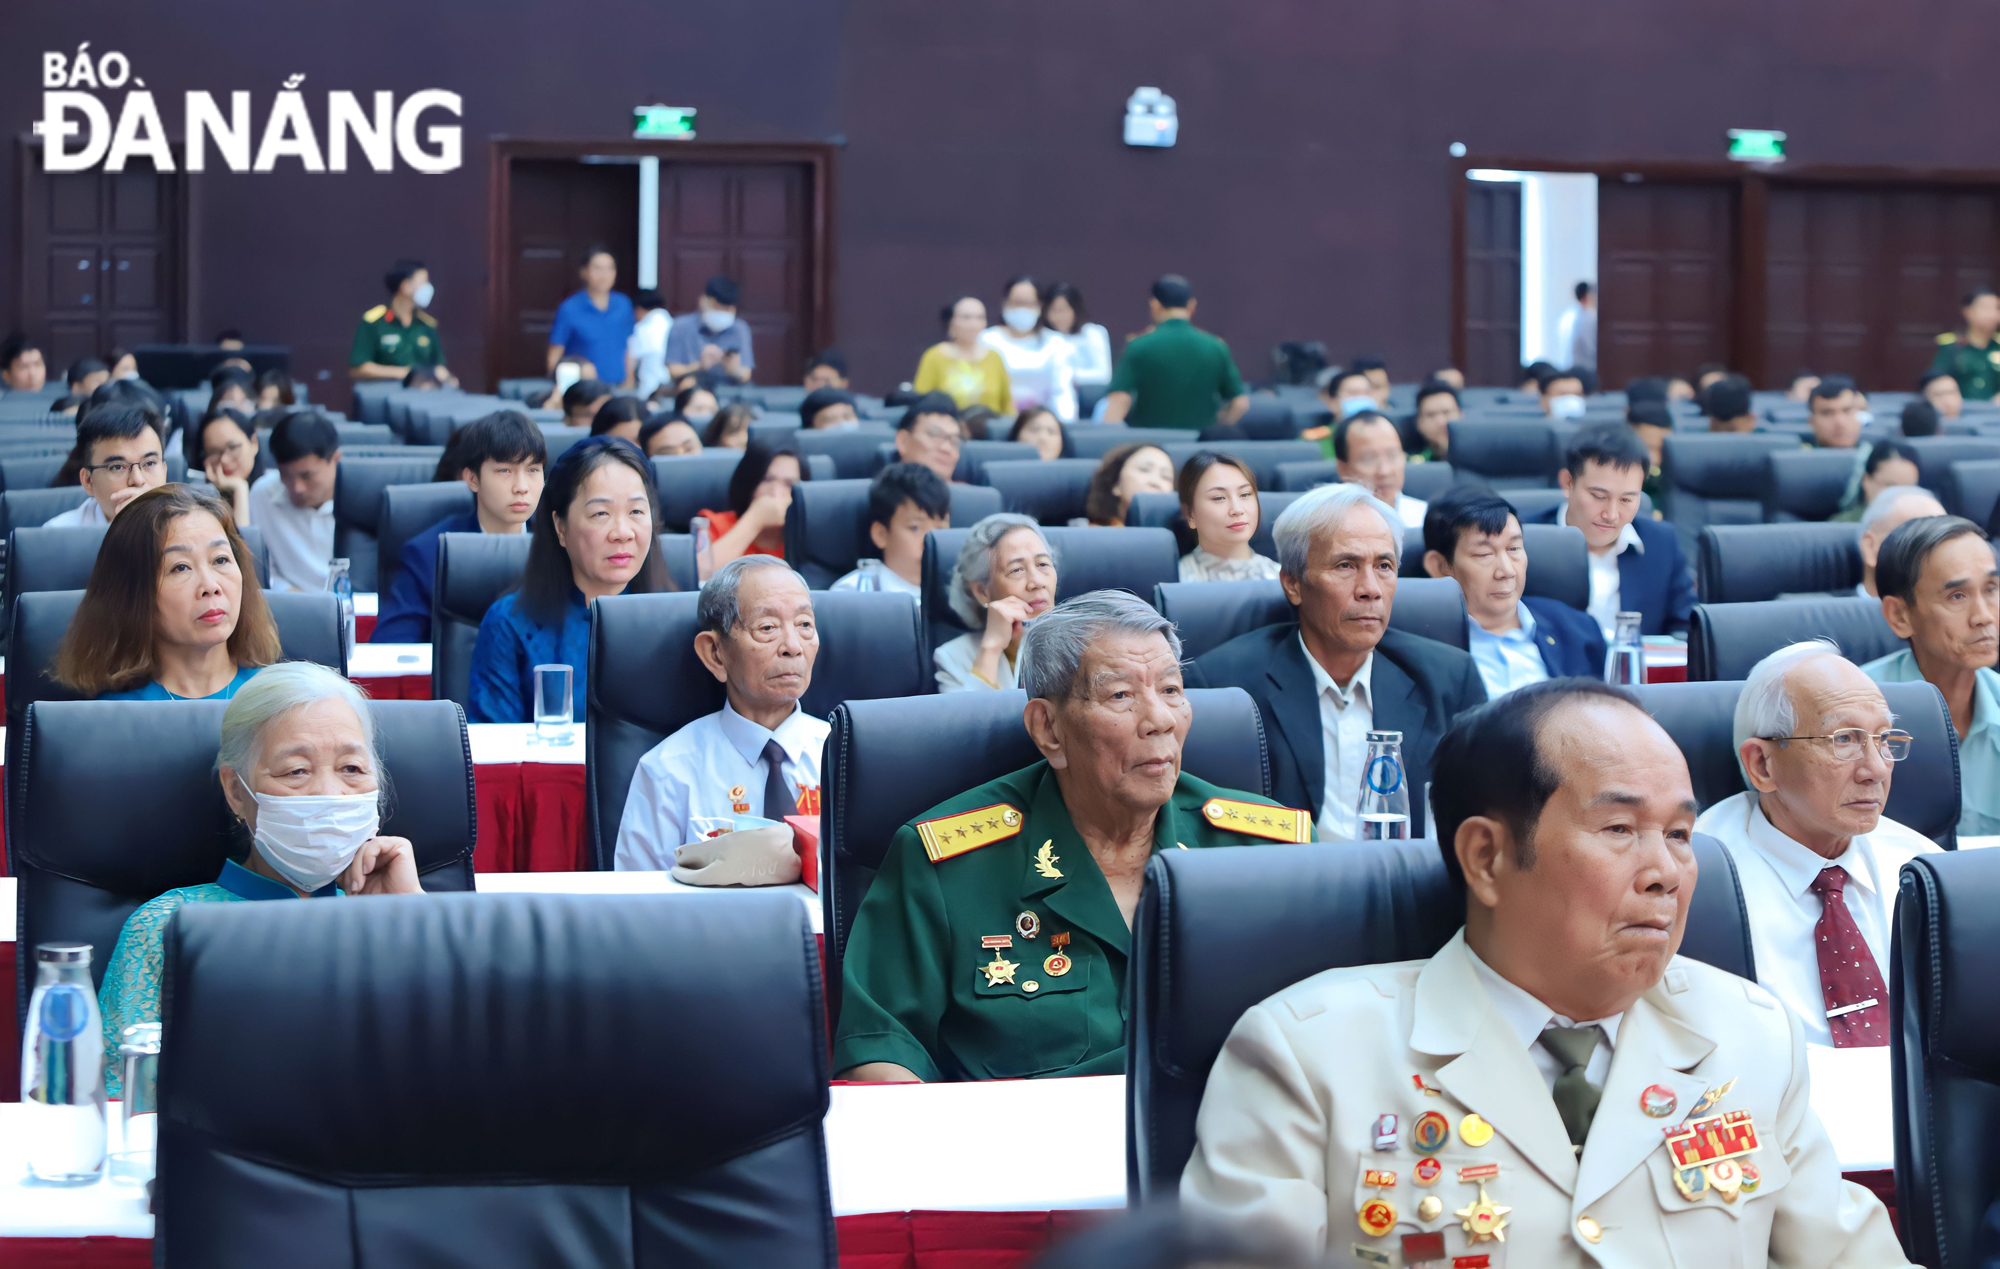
{"x":557,"y":210}
{"x":1492,"y":282}
{"x":102,"y":259}
{"x":751,"y":222}
{"x":1863,"y":278}
{"x":1666,"y":257}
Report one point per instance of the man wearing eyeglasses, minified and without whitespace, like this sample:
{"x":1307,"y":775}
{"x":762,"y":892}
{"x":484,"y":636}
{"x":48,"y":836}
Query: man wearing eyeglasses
{"x":118,"y":458}
{"x":1816,"y":857}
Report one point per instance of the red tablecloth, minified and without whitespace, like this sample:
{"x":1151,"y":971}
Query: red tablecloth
{"x":530,"y":817}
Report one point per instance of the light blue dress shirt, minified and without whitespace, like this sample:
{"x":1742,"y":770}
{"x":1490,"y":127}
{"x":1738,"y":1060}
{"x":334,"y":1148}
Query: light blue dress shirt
{"x":1510,"y":660}
{"x":713,"y":767}
{"x":1978,"y":753}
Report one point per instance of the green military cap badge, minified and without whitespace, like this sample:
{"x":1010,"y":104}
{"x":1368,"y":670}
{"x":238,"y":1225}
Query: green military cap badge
{"x":1275,"y":823}
{"x":951,"y":835}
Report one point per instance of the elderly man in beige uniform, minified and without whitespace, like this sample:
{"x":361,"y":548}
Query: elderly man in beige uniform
{"x":1555,"y":1088}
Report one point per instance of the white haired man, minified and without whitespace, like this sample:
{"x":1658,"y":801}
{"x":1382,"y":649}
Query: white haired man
{"x":1888,"y":511}
{"x":1816,"y":857}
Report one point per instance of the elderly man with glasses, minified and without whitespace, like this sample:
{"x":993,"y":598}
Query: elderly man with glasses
{"x":1817,"y":858}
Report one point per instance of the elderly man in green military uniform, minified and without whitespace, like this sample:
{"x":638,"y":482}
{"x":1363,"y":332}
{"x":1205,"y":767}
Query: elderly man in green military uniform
{"x":395,"y":336}
{"x":994,"y":942}
{"x":1971,"y":356}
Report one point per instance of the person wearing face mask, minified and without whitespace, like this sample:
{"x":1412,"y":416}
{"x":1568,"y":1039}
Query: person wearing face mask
{"x":1347,"y":393}
{"x":1039,"y":361}
{"x":712,"y":337}
{"x":592,"y":536}
{"x":1562,"y":395}
{"x":395,"y":336}
{"x":698,"y":406}
{"x":1126,"y":470}
{"x":302,"y":773}
{"x":1219,"y":501}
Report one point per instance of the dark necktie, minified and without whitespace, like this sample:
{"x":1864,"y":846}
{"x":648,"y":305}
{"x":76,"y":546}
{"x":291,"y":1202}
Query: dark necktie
{"x":1575,"y":1096}
{"x":1856,"y":1001}
{"x":778,"y":800}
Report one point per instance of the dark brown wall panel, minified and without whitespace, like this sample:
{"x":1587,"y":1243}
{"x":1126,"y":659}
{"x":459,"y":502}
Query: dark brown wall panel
{"x":1666,"y":274}
{"x":1492,"y":282}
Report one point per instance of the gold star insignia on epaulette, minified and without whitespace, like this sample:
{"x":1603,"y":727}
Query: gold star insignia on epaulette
{"x":950,"y":835}
{"x":1275,"y":823}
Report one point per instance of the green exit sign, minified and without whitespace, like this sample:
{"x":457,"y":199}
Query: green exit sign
{"x":1756,"y":145}
{"x":663,"y":121}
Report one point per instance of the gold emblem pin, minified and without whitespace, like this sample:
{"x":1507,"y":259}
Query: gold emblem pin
{"x":1011,"y":818}
{"x":999,"y":970}
{"x":1046,"y":860}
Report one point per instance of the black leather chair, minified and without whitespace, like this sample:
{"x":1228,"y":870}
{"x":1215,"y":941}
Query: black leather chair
{"x":1427,"y":481}
{"x":1163,"y":511}
{"x":34,"y":471}
{"x":1269,"y":418}
{"x":1942,"y":1050}
{"x":1506,"y":455}
{"x":408,"y":510}
{"x":559,"y":438}
{"x":1312,"y":473}
{"x":1262,"y":457}
{"x":1052,"y":492}
{"x":1975,"y":489}
{"x":646,"y":682}
{"x":700,"y":482}
{"x":1745,"y":563}
{"x":32,"y":508}
{"x":678,"y":560}
{"x":88,"y":852}
{"x":1924,"y":794}
{"x":1806,"y":484}
{"x":1086,"y":559}
{"x":889,"y":761}
{"x":1219,"y":931}
{"x":42,"y":558}
{"x":1094,"y":441}
{"x":973,"y":457}
{"x":473,"y":570}
{"x":1210,"y":614}
{"x":1558,"y":562}
{"x":513,"y":1140}
{"x":856,"y":453}
{"x":357,"y":508}
{"x":1726,"y":641}
{"x":1718,"y":479}
{"x":826,"y":529}
{"x":1936,"y":454}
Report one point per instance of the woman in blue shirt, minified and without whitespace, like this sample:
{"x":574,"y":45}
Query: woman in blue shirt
{"x":592,"y":535}
{"x":167,"y":615}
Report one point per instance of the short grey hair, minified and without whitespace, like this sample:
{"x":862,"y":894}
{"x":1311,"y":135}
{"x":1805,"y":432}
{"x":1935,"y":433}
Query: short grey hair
{"x":1052,"y":648}
{"x":1319,"y":510}
{"x":275,"y":691}
{"x":716,"y":610}
{"x":975,"y":562}
{"x":1884,"y":504}
{"x":1764,"y":708}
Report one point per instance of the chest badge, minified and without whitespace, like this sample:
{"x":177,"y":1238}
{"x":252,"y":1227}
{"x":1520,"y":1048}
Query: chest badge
{"x":1428,"y":1170}
{"x":1483,"y":1219}
{"x":1059,"y":963}
{"x":1658,"y":1101}
{"x":1046,"y":860}
{"x":1474,"y":1131}
{"x":1376,"y":1217}
{"x":1430,"y":1132}
{"x":1027,"y":925}
{"x":1386,"y":1132}
{"x":1707,"y":1101}
{"x":999,"y":970}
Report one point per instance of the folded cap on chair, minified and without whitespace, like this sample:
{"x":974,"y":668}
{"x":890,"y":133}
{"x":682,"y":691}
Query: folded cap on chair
{"x":763,"y":856}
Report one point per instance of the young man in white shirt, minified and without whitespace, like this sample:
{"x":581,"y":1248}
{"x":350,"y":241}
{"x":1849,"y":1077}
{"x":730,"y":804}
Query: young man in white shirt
{"x":905,"y":502}
{"x":1368,"y":450}
{"x":1815,"y":856}
{"x":646,"y":347}
{"x":119,"y":453}
{"x":293,"y":503}
{"x":1636,"y":564}
{"x":759,"y":754}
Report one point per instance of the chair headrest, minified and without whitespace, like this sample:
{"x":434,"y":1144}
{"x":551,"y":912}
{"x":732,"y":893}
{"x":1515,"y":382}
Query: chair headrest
{"x":1163,"y":511}
{"x":1520,"y":450}
{"x":1936,"y":454}
{"x":1808,"y":483}
{"x":408,"y":510}
{"x":1301,"y":476}
{"x":1088,"y":441}
{"x":1975,"y":485}
{"x":1087,"y":559}
{"x":1722,"y":466}
{"x":1051,"y":492}
{"x":44,"y":558}
{"x":826,"y":528}
{"x":1949,"y":911}
{"x":366,"y":983}
{"x":30,"y":508}
{"x":974,"y":455}
{"x":1209,"y":614}
{"x":693,"y":483}
{"x":1923,"y":794}
{"x":1433,"y":607}
{"x":359,"y":482}
{"x":1745,"y":563}
{"x":855,"y":452}
{"x":559,"y":438}
{"x":474,"y":569}
{"x":1426,"y":481}
{"x":1726,"y":641}
{"x":1262,"y":457}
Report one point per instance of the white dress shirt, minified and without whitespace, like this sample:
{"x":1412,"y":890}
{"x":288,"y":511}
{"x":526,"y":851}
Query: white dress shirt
{"x":714,"y":766}
{"x":78,"y":517}
{"x":1090,"y":354}
{"x":1509,"y":660}
{"x":886,"y":578}
{"x":1411,"y":510}
{"x":1777,"y":873}
{"x":1038,"y":369}
{"x":647,"y":346}
{"x":1528,"y":1017}
{"x":1344,"y":722}
{"x":954,"y":662}
{"x":1603,"y":607}
{"x":298,"y":539}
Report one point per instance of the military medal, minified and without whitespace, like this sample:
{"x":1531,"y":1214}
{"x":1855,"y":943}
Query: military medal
{"x":1692,"y":1183}
{"x":1726,"y":1178}
{"x":1658,"y":1101}
{"x":739,"y":798}
{"x":1376,"y":1217}
{"x":1752,"y":1178}
{"x":1430,"y":1208}
{"x":1481,"y":1261}
{"x":1708,"y":1099}
{"x":1483,"y":1219}
{"x":1378,"y":1179}
{"x":1027,"y":925}
{"x":1430,"y":1133}
{"x":1474,"y":1131}
{"x":999,"y":970}
{"x":1428,"y":1170}
{"x":1385,"y":1133}
{"x":1424,"y":1088}
{"x":1478,"y":1172}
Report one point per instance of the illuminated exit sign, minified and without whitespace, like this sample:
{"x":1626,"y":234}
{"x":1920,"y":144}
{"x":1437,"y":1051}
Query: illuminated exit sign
{"x":1756,"y":145}
{"x":663,"y":121}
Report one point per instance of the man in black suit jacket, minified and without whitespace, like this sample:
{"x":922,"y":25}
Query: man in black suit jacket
{"x":1339,"y":672}
{"x":1474,"y":538}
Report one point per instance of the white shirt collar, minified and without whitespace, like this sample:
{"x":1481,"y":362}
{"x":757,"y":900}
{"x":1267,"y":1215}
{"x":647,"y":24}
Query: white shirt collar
{"x":1797,"y":865}
{"x":1627,"y":536}
{"x":1362,"y":683}
{"x":1526,"y":1016}
{"x":748,"y":738}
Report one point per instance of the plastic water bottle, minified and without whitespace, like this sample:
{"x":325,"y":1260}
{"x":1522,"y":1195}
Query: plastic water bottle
{"x":1384,"y":812}
{"x":340,"y":580}
{"x":871,"y":576}
{"x":62,"y":1070}
{"x":1625,"y":661}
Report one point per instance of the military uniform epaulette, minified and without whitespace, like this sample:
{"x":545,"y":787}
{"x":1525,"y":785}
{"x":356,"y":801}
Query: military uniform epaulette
{"x":1277,"y":823}
{"x":950,"y":835}
{"x":426,"y":318}
{"x":1949,"y":337}
{"x":375,"y":314}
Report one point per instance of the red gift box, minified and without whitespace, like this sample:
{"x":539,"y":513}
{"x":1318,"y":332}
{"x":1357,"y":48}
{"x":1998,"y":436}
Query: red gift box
{"x":805,"y":836}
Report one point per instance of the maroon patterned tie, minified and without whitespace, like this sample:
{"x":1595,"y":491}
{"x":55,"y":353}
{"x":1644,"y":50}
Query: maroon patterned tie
{"x":1848,"y":974}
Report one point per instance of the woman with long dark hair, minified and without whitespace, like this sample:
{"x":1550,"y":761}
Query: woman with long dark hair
{"x":760,"y":492}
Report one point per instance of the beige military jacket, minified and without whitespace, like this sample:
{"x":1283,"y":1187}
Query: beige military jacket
{"x":1288,"y":1130}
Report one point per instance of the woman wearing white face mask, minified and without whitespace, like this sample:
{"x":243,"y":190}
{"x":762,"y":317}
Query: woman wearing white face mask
{"x":300,"y":771}
{"x":1040,"y":363}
